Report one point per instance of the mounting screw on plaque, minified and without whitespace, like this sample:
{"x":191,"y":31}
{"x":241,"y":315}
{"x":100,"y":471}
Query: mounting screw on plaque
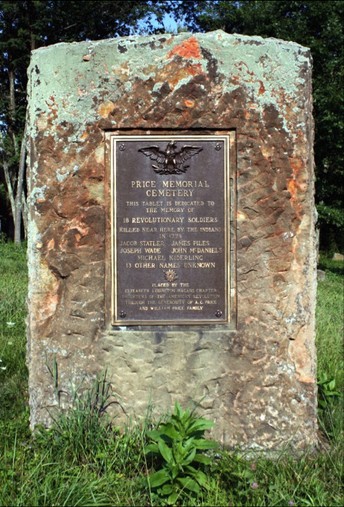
{"x":122,"y":315}
{"x":218,"y":314}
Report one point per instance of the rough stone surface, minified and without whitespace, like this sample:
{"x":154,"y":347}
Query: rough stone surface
{"x":258,"y":381}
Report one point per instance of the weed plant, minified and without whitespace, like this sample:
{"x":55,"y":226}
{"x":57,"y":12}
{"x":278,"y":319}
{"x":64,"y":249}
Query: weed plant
{"x":84,"y":459}
{"x":179,"y":446}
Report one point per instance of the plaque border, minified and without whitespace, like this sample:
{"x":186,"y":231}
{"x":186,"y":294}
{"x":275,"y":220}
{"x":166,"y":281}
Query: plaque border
{"x":229,"y":142}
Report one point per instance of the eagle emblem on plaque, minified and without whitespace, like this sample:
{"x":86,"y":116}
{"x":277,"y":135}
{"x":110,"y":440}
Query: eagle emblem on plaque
{"x":172,"y":160}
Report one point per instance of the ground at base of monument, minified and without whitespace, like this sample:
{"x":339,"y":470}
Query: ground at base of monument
{"x":80,"y":463}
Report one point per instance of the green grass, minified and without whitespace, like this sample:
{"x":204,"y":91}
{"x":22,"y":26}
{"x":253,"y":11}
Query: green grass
{"x":85,"y":460}
{"x":13,"y":373}
{"x":329,"y":341}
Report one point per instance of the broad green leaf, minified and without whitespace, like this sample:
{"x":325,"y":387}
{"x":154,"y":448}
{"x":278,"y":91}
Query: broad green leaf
{"x":181,"y":452}
{"x":189,"y":484}
{"x":152,"y":448}
{"x":201,"y":425}
{"x":190,"y":470}
{"x":167,"y":489}
{"x":175,"y":470}
{"x":154,"y":435}
{"x":189,"y":459}
{"x":201,"y":478}
{"x":332,"y":394}
{"x":198,"y":475}
{"x":159,"y":478}
{"x":165,"y":451}
{"x":169,"y":430}
{"x":186,"y":418}
{"x":204,"y":444}
{"x":172,"y":499}
{"x":177,"y":410}
{"x":188,"y":443}
{"x":177,"y":422}
{"x":202,"y":458}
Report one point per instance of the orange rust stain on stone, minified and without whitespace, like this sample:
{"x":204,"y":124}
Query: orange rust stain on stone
{"x":292,"y":189}
{"x":189,"y":103}
{"x":106,"y":108}
{"x":296,"y":165}
{"x":53,"y":108}
{"x":293,"y":184}
{"x":187,"y":49}
{"x":174,"y":75}
{"x":261,"y":88}
{"x":195,"y":69}
{"x":48,"y":306}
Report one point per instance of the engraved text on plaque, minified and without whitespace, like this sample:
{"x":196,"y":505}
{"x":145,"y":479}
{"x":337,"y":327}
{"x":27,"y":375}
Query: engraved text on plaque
{"x":170,"y":229}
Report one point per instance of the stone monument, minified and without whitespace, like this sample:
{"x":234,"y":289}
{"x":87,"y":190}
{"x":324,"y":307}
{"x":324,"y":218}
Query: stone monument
{"x":171,"y":234}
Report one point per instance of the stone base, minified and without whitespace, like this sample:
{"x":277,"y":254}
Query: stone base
{"x":256,"y":377}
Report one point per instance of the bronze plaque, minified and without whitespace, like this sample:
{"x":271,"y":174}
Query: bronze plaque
{"x":170,"y":220}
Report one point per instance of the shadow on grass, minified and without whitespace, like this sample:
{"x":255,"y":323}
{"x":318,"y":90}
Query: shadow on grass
{"x":327,"y":264}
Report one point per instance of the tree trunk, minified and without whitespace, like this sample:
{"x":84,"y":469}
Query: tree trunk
{"x":19,"y":193}
{"x":12,"y":109}
{"x":9,"y":186}
{"x":24,"y":214}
